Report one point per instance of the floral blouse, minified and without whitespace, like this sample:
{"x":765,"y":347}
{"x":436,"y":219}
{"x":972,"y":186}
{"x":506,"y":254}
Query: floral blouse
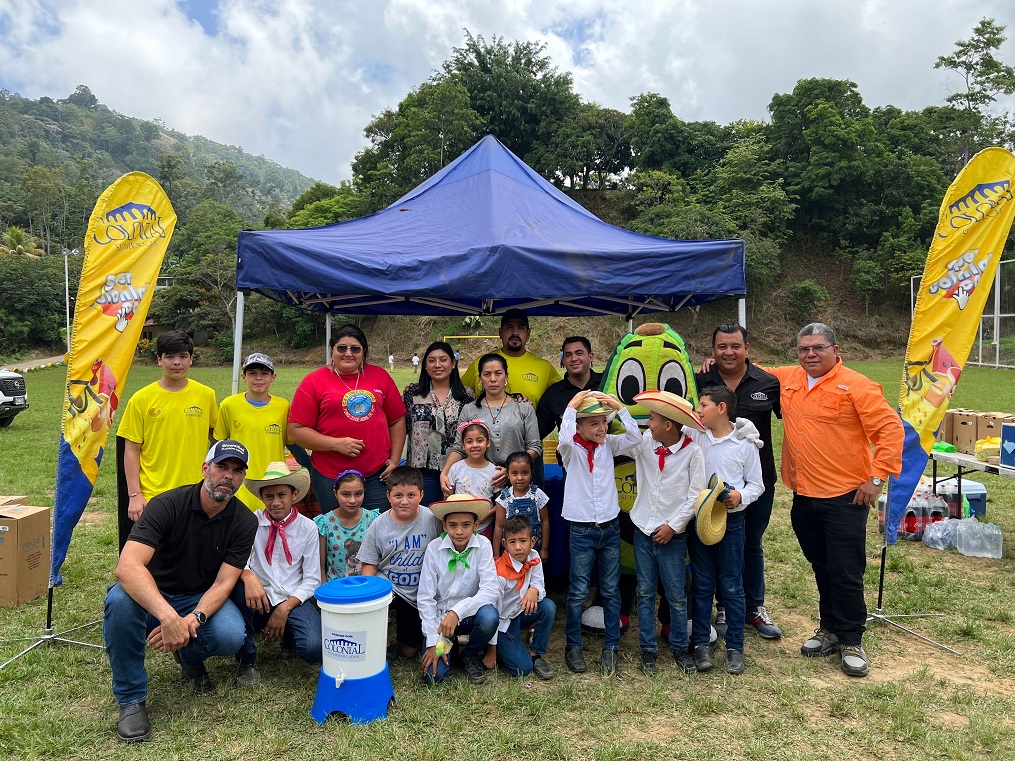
{"x":422,"y":416}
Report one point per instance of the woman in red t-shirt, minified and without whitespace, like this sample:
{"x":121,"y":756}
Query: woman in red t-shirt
{"x":350,"y":414}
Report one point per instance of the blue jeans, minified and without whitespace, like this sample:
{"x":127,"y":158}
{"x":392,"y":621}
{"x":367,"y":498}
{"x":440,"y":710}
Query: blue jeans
{"x":431,"y":486}
{"x":756,"y":518}
{"x":480,"y":628}
{"x":126,"y":626}
{"x":666,"y":562}
{"x":511,"y":651}
{"x":375,"y":494}
{"x":719,"y":566}
{"x":302,"y":633}
{"x":590,"y":542}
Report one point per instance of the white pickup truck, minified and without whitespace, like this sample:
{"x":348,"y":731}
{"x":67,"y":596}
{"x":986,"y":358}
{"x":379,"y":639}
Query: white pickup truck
{"x":13,"y":397}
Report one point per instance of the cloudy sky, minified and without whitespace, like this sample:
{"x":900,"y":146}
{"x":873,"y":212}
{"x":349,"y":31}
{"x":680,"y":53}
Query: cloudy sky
{"x":297,"y":80}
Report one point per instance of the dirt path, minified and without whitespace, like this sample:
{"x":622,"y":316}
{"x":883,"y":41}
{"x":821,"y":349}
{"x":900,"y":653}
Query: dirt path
{"x":34,"y":364}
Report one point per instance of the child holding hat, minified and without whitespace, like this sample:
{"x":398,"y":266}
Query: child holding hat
{"x":276,"y":589}
{"x":591,"y":508}
{"x":458,"y":588}
{"x":719,"y":564}
{"x":670,"y":474}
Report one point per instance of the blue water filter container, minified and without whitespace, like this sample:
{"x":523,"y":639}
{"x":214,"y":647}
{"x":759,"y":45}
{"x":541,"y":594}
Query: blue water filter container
{"x":354,"y":678}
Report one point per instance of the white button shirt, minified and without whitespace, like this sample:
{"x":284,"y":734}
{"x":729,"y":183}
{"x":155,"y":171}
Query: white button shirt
{"x":667,"y":495}
{"x":281,"y":580}
{"x":592,"y":497}
{"x":510,"y":602}
{"x":464,"y":591}
{"x":737,"y":462}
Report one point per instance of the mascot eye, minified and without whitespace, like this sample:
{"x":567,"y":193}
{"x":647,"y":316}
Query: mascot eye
{"x":672,"y":379}
{"x":630,"y":381}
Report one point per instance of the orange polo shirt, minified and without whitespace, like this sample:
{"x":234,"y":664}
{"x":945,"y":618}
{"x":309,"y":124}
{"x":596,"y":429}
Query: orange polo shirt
{"x":829,"y":429}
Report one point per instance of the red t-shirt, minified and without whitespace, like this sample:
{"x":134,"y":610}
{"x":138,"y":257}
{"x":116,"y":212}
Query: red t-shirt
{"x":360,"y":406}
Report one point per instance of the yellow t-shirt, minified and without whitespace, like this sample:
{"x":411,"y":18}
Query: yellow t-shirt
{"x":172,"y":428}
{"x":528,"y":375}
{"x":262,"y":430}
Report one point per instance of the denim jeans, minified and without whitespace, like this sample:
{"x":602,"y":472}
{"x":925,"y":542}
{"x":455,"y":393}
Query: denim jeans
{"x":480,"y":628}
{"x":302,"y":633}
{"x":590,"y":543}
{"x":665,"y":562}
{"x":719,"y":566}
{"x":126,"y":626}
{"x":833,"y":537}
{"x":375,"y":495}
{"x":756,"y":518}
{"x":431,"y":486}
{"x":511,"y":650}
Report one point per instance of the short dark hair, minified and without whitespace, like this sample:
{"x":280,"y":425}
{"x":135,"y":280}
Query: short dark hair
{"x":518,"y":457}
{"x":517,"y":524}
{"x":577,"y":340}
{"x":729,"y":327}
{"x":721,"y":394}
{"x":514,"y":314}
{"x":404,"y":475}
{"x":174,"y":342}
{"x":349,"y":331}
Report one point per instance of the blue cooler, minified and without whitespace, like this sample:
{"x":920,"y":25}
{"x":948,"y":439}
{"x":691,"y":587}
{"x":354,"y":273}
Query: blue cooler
{"x":354,"y":678}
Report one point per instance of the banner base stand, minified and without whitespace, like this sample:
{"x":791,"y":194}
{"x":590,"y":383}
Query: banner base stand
{"x":48,"y":637}
{"x":879,"y":615}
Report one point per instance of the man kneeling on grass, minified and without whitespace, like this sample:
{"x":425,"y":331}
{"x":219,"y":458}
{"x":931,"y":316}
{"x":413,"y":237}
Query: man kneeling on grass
{"x":276,"y":590}
{"x":174,"y":577}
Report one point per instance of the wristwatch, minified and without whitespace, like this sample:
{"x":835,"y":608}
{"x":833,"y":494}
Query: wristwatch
{"x":202,"y":619}
{"x":876,"y":481}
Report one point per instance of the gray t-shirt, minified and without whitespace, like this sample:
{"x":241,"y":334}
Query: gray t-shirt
{"x":397,"y":549}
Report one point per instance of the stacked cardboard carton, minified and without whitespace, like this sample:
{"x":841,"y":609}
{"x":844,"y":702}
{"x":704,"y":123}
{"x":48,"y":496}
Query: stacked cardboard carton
{"x":24,"y":550}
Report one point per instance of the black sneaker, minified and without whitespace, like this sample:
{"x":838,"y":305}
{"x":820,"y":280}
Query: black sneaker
{"x":703,"y":660}
{"x":648,"y":663}
{"x":684,"y":661}
{"x":475,"y":671}
{"x":575,"y":660}
{"x":198,"y":679}
{"x":821,"y":643}
{"x":854,"y":660}
{"x":133,"y":725}
{"x":541,"y":668}
{"x":734,"y":661}
{"x":609,"y":662}
{"x":247,"y":675}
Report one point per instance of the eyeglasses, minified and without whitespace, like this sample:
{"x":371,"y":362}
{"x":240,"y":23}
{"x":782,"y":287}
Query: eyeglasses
{"x":817,"y":349}
{"x":342,"y":349}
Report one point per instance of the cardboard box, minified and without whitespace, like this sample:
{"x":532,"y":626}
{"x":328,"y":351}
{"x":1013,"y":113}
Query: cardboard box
{"x":24,"y":553}
{"x":1008,"y":445}
{"x":964,"y":433}
{"x":946,"y":431}
{"x":13,"y":500}
{"x":989,"y":423}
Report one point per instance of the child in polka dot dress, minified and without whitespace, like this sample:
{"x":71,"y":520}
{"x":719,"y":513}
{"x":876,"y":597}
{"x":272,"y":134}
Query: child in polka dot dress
{"x":343,"y":529}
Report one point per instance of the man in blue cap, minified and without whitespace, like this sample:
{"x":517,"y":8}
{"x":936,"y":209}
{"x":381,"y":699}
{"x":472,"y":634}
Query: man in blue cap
{"x":174,"y":577}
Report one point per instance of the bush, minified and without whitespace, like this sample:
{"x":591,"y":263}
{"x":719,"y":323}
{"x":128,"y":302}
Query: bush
{"x":806,"y":297}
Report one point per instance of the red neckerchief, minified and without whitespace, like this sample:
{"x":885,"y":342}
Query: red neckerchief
{"x":588,"y":446}
{"x":506,"y":569}
{"x":277,"y":528}
{"x":665,"y":452}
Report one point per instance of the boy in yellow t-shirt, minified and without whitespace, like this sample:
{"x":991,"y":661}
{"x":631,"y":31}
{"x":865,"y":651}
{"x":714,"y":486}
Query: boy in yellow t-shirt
{"x":167,"y":425}
{"x":257,"y":420}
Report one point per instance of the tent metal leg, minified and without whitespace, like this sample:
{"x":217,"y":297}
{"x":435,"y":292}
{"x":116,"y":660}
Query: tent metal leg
{"x":742,"y":310}
{"x":238,"y":342}
{"x":327,"y":338}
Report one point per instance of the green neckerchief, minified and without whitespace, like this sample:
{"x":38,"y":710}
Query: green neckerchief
{"x":459,"y":557}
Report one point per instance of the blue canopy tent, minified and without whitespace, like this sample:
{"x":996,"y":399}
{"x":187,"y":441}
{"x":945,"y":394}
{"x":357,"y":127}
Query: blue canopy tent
{"x":484,"y":234}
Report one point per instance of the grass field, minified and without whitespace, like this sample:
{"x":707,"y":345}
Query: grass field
{"x":918,"y":703}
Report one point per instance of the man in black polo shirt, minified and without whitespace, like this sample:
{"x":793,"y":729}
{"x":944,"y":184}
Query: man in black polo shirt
{"x":175,"y":574}
{"x":576,"y":354}
{"x":757,"y":395}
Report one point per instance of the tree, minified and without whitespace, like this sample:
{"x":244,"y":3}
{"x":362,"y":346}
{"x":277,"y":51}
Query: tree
{"x":342,"y":206}
{"x":17,"y":242}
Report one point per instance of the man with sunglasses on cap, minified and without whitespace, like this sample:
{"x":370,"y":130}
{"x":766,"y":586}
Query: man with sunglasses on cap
{"x":174,"y":578}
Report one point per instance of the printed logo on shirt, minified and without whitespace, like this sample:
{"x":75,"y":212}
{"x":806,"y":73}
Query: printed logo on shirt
{"x":155,"y":412}
{"x":844,"y":387}
{"x":759,"y":396}
{"x":194,"y":411}
{"x":237,"y":425}
{"x":359,"y":405}
{"x":531,"y":377}
{"x":273,"y":430}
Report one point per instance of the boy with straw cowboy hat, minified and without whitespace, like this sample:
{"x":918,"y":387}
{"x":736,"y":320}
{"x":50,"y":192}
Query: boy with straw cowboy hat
{"x":717,"y":549}
{"x":670,"y":474}
{"x":276,"y":589}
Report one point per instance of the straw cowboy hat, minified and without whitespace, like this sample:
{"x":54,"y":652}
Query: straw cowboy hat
{"x":460,"y":503}
{"x":670,"y":406}
{"x":710,"y":511}
{"x":276,"y":474}
{"x":590,"y":407}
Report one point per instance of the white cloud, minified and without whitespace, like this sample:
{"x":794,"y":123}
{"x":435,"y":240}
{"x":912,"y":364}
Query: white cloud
{"x":297,"y":81}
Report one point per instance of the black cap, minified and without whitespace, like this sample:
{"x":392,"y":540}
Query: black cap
{"x":514,"y":314}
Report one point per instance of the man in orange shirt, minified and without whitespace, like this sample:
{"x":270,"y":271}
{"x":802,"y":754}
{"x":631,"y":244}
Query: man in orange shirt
{"x":832,"y":415}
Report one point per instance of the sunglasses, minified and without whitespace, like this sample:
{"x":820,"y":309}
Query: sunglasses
{"x":343,"y":349}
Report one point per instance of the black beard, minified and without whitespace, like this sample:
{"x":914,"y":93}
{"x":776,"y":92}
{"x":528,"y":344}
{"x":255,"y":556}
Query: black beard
{"x":219,"y":493}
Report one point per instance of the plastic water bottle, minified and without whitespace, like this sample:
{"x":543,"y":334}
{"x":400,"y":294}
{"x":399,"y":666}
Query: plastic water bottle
{"x":937,"y":509}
